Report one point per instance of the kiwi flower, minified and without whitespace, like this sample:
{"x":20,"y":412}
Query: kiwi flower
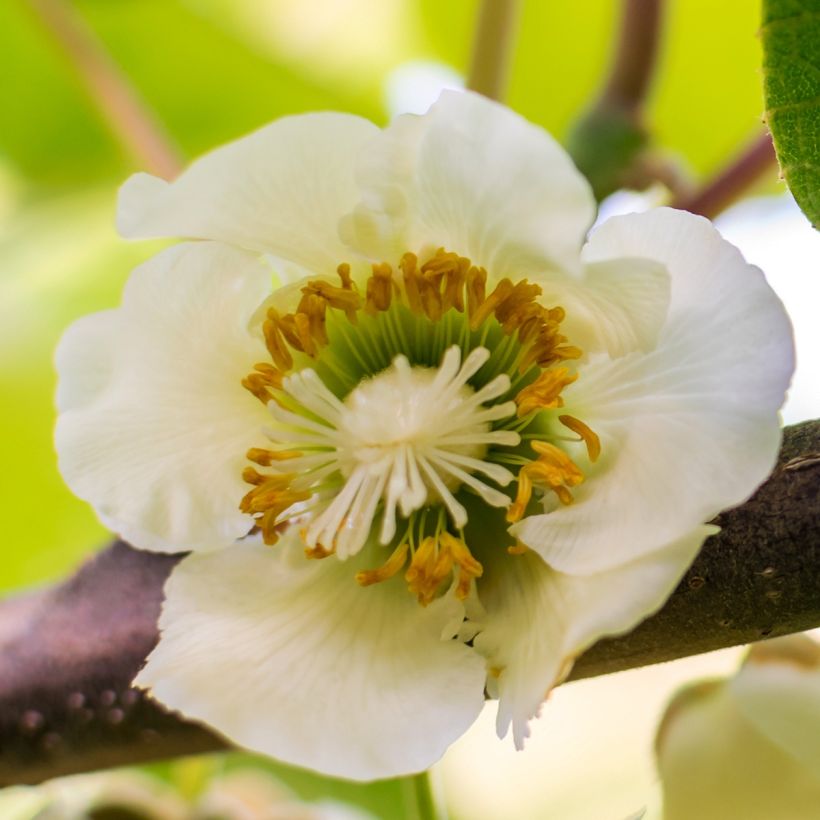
{"x":420,"y":440}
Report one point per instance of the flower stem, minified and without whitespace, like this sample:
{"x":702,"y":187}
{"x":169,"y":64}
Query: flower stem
{"x":493,"y":47}
{"x":635,"y":60}
{"x":419,"y":802}
{"x":731,"y":181}
{"x":130,"y":121}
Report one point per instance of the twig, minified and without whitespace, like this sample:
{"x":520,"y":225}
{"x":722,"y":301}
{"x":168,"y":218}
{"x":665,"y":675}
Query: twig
{"x":635,"y":56}
{"x":732,"y":181}
{"x":135,"y":127}
{"x":609,"y":142}
{"x":492,"y":47}
{"x":70,"y":652}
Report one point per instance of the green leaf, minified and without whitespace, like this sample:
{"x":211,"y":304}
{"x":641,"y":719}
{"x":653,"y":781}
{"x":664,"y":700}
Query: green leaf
{"x":791,"y":88}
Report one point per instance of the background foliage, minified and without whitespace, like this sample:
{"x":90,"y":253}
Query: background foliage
{"x":214,"y":69}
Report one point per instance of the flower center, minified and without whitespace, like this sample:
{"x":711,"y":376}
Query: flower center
{"x":393,"y":406}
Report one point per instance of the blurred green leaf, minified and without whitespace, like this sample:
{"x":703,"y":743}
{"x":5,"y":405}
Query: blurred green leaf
{"x":58,"y":261}
{"x":791,"y":87}
{"x":206,"y":85}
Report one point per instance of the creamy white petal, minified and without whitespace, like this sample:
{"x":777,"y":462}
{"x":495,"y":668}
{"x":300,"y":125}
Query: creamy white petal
{"x":154,"y":423}
{"x":715,"y":764}
{"x":474,"y":177}
{"x":280,"y":190}
{"x":687,"y":429}
{"x":538,"y":620}
{"x":778,"y":692}
{"x":618,"y":306}
{"x":292,"y":658}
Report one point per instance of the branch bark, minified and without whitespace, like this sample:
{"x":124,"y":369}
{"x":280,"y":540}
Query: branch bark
{"x":70,"y":652}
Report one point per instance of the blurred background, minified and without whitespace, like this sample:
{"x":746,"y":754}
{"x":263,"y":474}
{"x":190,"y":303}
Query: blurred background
{"x":206,"y":71}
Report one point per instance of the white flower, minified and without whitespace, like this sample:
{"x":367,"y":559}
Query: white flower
{"x":748,"y":746}
{"x":391,"y":349}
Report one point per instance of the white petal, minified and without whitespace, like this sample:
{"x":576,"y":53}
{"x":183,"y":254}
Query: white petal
{"x":539,"y":620}
{"x":475,"y":178}
{"x":688,"y":429}
{"x":280,"y":190}
{"x":619,"y":306}
{"x":715,"y":764}
{"x":292,"y":658}
{"x":154,"y":422}
{"x":780,"y":696}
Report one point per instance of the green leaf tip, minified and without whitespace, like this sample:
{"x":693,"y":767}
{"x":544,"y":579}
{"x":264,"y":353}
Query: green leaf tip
{"x":791,"y":90}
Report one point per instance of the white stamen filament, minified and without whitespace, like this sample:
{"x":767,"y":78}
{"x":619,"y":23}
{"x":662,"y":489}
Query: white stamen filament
{"x":409,"y":436}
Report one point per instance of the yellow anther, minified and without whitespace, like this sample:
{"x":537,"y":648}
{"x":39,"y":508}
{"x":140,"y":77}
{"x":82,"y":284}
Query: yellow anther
{"x":269,"y":498}
{"x":379,"y":289}
{"x":318,"y":552}
{"x":452,"y":270}
{"x":257,"y":385}
{"x":430,"y":293}
{"x":314,"y":306}
{"x":483,"y":311}
{"x":270,"y":527}
{"x":553,"y":469}
{"x":303,"y":327}
{"x":265,"y":458}
{"x":252,"y":476}
{"x":545,"y":392}
{"x":588,"y":436}
{"x":344,"y":274}
{"x":469,"y":568}
{"x":518,"y":548}
{"x":394,"y":564}
{"x":286,"y":325}
{"x":431,"y":565}
{"x":516,"y":510}
{"x":408,"y":266}
{"x":522,"y":295}
{"x":275,"y":342}
{"x":476,"y":284}
{"x":568,"y":352}
{"x":343,"y":298}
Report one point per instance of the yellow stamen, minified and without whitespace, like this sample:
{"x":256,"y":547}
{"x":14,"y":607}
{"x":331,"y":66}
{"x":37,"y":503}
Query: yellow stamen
{"x":553,"y":469}
{"x":286,"y":326}
{"x":502,"y":290}
{"x":522,"y":295}
{"x":314,"y":306}
{"x":344,"y":274}
{"x":516,"y":510}
{"x":271,"y":496}
{"x":452,"y":268}
{"x":275,"y":342}
{"x":476,"y":289}
{"x":266,"y":457}
{"x":318,"y":552}
{"x":379,"y":289}
{"x":545,"y":392}
{"x":588,"y":436}
{"x":518,"y":548}
{"x":391,"y":567}
{"x":411,"y":282}
{"x":469,"y":568}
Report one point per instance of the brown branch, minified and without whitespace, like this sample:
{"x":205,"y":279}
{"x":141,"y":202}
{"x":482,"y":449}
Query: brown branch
{"x":609,"y":142}
{"x":633,"y":66}
{"x":70,"y":652}
{"x":496,"y":28}
{"x":732,"y":181}
{"x":133,"y":124}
